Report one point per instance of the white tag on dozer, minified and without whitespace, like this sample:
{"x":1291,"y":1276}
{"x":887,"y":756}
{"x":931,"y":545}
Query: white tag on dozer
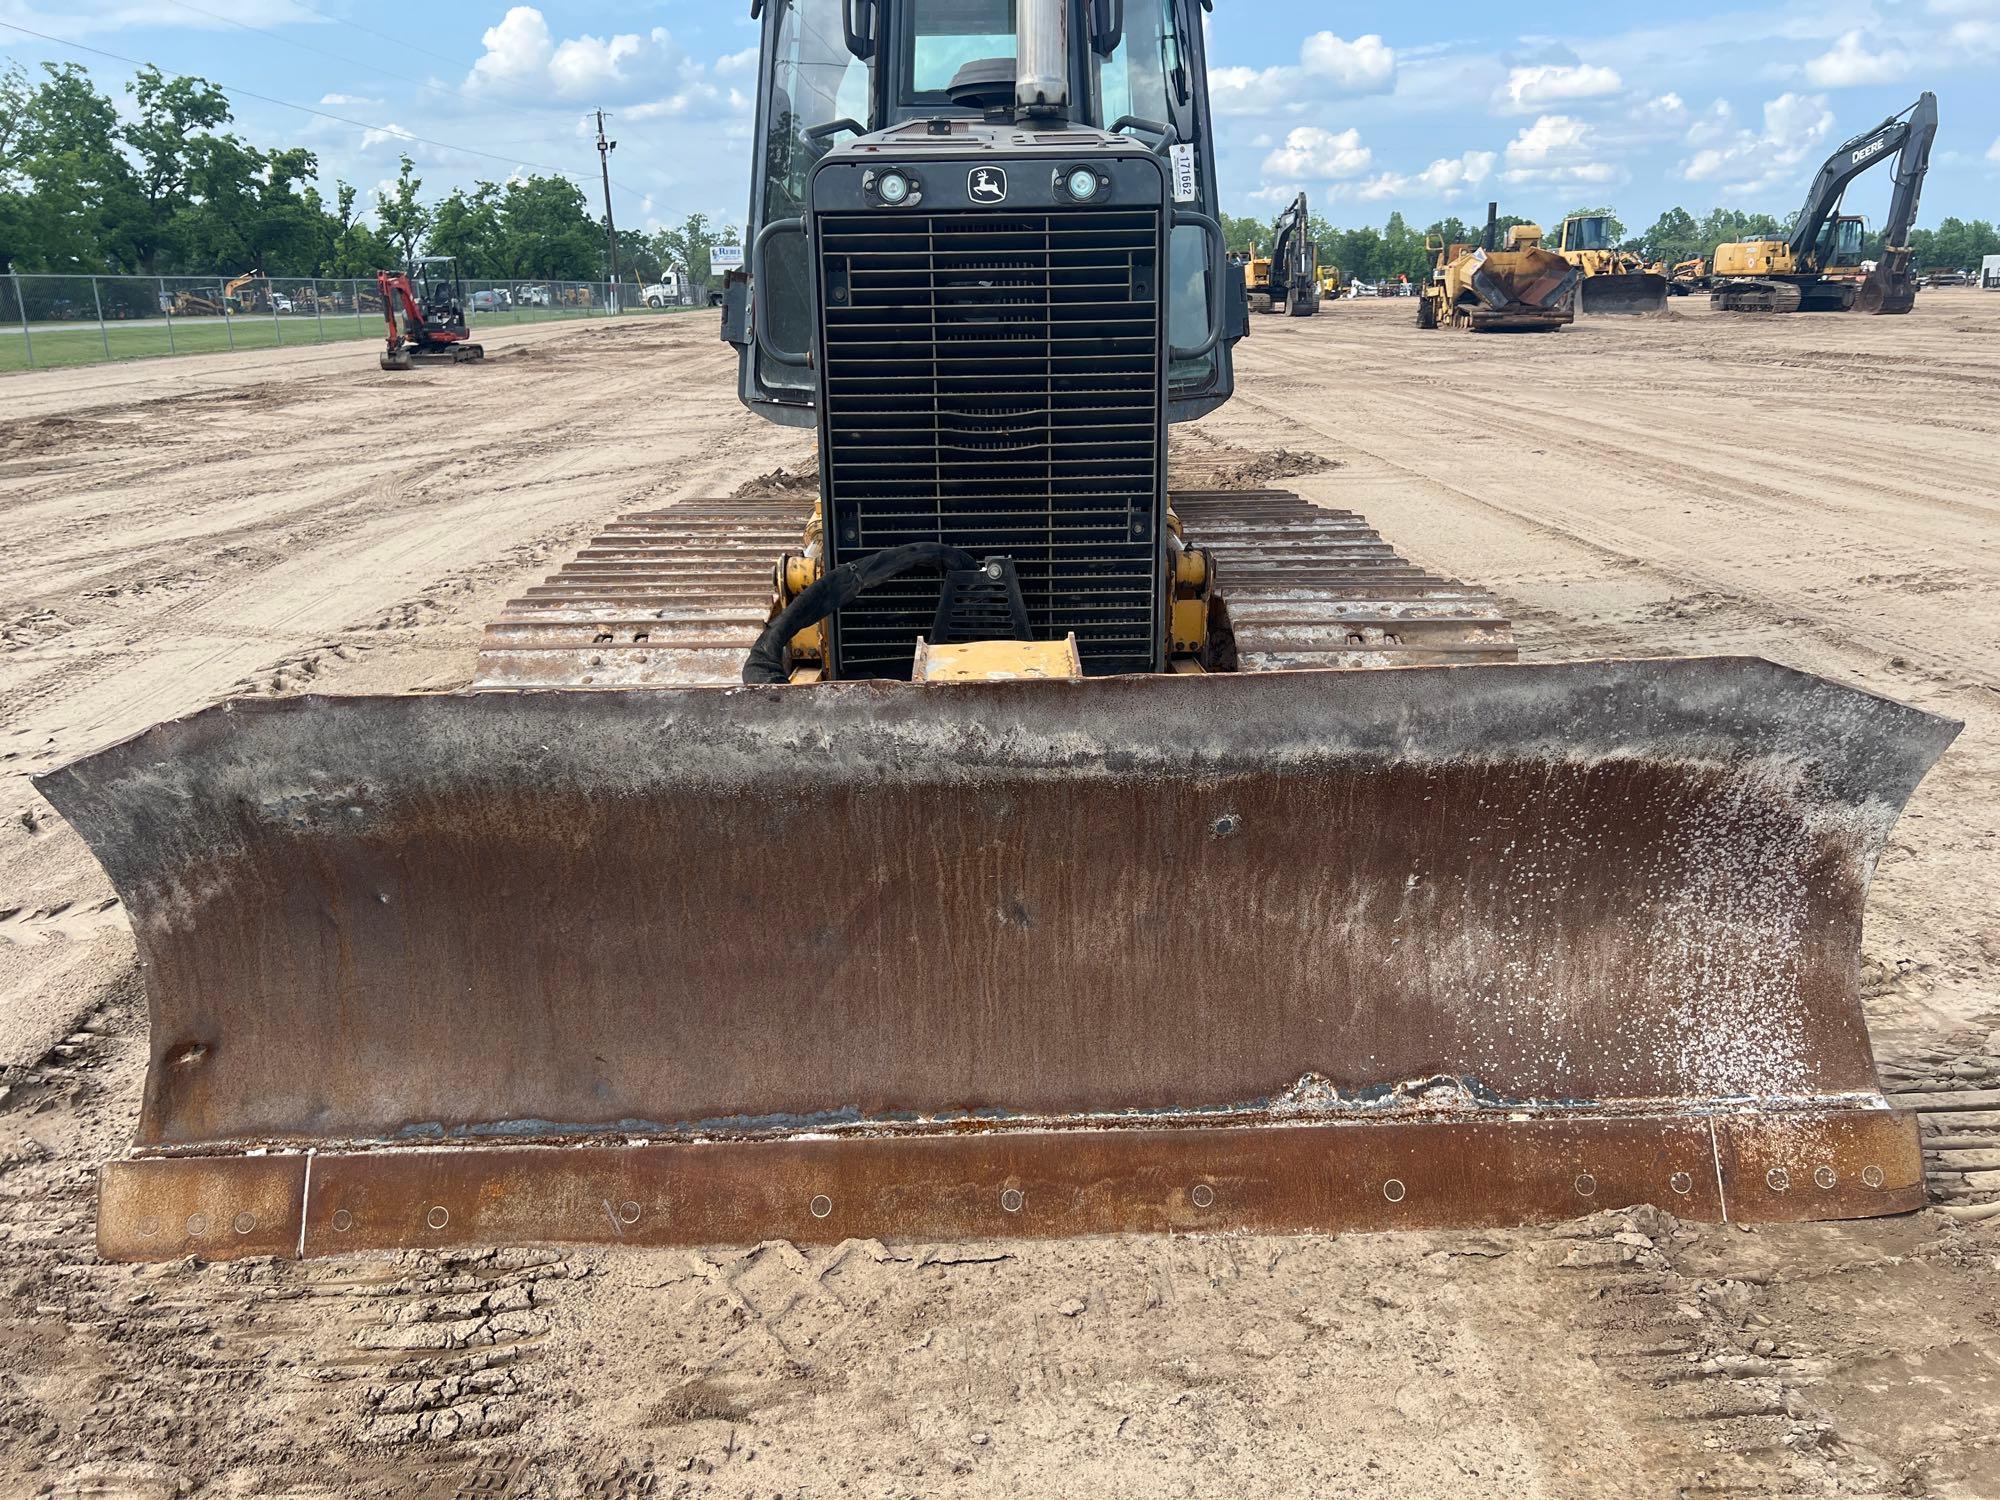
{"x":1182,"y":155}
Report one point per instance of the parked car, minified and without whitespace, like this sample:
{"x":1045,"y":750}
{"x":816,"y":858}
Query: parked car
{"x":492,"y":299}
{"x":534,"y":296}
{"x":281,"y":302}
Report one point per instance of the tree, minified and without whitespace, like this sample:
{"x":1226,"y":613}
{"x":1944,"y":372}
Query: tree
{"x":174,"y":115}
{"x":357,"y":250}
{"x":467,"y":225}
{"x":1674,"y":237}
{"x":404,"y":219}
{"x":546,"y":231}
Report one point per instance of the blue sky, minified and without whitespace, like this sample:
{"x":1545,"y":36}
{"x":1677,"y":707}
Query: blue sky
{"x":1428,"y":109}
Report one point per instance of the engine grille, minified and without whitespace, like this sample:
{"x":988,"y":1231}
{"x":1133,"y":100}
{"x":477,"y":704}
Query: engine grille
{"x":992,"y":380}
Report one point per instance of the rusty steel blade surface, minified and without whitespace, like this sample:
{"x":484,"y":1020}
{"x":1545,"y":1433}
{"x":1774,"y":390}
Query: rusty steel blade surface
{"x":1575,"y":889}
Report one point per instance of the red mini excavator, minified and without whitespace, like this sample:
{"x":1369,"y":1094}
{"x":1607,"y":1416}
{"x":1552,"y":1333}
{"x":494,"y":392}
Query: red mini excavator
{"x":425,"y":310}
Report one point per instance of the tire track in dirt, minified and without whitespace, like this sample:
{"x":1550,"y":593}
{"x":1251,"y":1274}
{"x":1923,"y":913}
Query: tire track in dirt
{"x":1917,"y":638}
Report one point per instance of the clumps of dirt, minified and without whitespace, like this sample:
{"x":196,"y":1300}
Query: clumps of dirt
{"x":780,"y":482}
{"x":1203,"y":463}
{"x":38,"y":435}
{"x":698,"y":1400}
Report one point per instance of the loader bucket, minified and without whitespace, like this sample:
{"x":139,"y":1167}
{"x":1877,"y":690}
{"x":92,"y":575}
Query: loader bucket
{"x":1625,"y":293}
{"x":1278,"y":951}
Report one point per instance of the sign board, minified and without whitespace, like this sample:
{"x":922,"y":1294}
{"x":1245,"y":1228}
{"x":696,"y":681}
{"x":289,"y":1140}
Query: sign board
{"x":1182,"y":156}
{"x":726,"y":258}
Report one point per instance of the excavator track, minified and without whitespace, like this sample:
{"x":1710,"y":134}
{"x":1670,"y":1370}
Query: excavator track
{"x":675,"y":597}
{"x":1756,"y":297}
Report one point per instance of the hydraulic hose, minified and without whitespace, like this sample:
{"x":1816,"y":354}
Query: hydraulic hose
{"x":766,"y":661}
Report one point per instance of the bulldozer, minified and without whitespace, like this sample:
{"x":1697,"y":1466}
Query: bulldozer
{"x":1523,"y":288}
{"x":1010,"y":843}
{"x":424,"y":307}
{"x":1819,"y":265}
{"x":1614,"y":281}
{"x":1287,"y":280}
{"x":1688,"y":276}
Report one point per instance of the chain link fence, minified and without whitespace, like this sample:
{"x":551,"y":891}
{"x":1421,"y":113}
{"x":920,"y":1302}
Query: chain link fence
{"x":47,"y":321}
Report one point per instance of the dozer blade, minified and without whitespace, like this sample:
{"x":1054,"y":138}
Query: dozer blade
{"x":1272,"y":951}
{"x":1627,"y":293}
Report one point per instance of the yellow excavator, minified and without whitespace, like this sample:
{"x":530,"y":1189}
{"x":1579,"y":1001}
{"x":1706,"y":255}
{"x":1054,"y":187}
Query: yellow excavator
{"x":1521,"y":287}
{"x":1612,"y":281}
{"x":1014,"y":844}
{"x":1819,"y":265}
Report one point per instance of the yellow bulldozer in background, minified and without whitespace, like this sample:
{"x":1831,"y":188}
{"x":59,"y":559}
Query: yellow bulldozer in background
{"x":1613,"y":281}
{"x":1519,"y":288}
{"x":1688,"y":276}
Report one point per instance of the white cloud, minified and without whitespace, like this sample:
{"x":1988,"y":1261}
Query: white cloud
{"x":1447,"y":177}
{"x":1318,"y":155}
{"x":1850,"y":62}
{"x":1712,"y":124}
{"x":1993,"y":151}
{"x":523,"y":58}
{"x":737,"y":62}
{"x":1750,"y":161}
{"x":1556,"y":148}
{"x":1328,"y":66}
{"x":349,"y":99}
{"x":1360,"y":65}
{"x":392,"y":132}
{"x":1553,"y":83}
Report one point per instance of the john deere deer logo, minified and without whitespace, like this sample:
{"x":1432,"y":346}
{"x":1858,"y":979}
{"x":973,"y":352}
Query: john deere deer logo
{"x":987,"y":184}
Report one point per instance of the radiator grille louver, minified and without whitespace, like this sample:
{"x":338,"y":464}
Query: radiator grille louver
{"x":993,"y":381}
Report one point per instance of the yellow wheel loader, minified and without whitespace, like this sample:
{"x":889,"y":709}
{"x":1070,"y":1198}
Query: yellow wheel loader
{"x":1614,"y":281}
{"x":1522,"y":288}
{"x":1016,"y":845}
{"x":1819,"y":267}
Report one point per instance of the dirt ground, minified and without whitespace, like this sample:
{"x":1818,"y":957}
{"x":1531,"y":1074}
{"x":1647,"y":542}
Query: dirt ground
{"x":1824,"y":491}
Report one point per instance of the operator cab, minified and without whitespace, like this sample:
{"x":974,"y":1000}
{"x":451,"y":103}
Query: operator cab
{"x":1587,"y":232}
{"x":837,"y":72}
{"x":1841,"y":242}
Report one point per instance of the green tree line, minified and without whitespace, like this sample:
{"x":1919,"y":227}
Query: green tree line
{"x":1397,"y":248}
{"x":164,"y":188}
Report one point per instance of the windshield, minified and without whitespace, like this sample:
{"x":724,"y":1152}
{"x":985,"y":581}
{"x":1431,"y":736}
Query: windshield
{"x":945,"y":35}
{"x":1138,"y":81}
{"x":1591,"y":233}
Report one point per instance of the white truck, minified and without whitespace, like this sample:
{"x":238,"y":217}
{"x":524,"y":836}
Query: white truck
{"x":1989,"y":273}
{"x":666,"y":292}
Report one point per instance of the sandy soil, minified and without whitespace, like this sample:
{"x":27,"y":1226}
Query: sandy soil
{"x":1821,"y":491}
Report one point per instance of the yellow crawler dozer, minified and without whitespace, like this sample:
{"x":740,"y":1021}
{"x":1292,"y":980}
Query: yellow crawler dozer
{"x":1016,"y":845}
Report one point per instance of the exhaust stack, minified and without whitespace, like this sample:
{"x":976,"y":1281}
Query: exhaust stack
{"x":1041,"y":50}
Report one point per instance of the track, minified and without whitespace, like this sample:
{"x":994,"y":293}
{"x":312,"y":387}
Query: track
{"x":675,"y":597}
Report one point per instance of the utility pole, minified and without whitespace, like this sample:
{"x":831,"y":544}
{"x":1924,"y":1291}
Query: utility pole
{"x":604,"y":150}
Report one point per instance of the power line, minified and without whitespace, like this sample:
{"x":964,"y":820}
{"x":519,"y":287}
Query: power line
{"x":393,"y":132}
{"x":404,"y":42}
{"x":436,"y":88}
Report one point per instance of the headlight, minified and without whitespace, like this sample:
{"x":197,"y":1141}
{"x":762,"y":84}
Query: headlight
{"x":1081,"y":184}
{"x":893,"y":187}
